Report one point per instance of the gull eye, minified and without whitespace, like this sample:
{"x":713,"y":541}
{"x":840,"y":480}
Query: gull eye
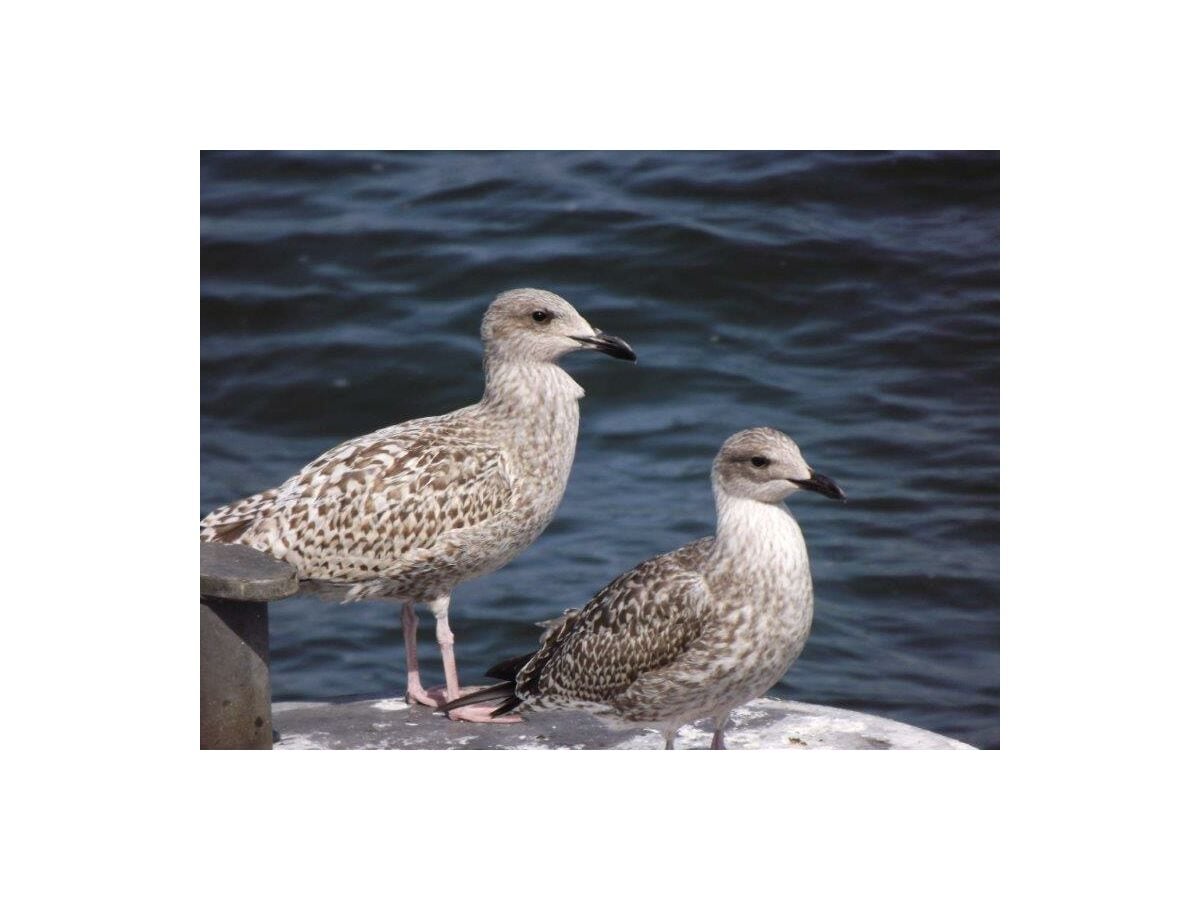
{"x":540,"y":316}
{"x":759,"y":461}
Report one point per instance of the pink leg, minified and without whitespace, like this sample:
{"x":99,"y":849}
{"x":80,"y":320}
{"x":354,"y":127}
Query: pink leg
{"x":416,"y":693}
{"x":445,"y":639}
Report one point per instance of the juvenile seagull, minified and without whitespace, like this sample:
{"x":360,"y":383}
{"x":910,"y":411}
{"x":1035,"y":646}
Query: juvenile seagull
{"x":408,"y":512}
{"x":696,"y":632}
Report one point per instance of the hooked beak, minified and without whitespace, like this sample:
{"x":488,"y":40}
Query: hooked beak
{"x":822,"y":485}
{"x":607,"y":343}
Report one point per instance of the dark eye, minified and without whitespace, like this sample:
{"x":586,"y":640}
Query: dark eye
{"x":759,"y":461}
{"x":540,"y":315}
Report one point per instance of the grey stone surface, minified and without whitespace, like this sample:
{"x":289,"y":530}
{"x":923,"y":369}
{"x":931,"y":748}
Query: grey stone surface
{"x":234,"y":572}
{"x":235,"y":676}
{"x":392,"y":724}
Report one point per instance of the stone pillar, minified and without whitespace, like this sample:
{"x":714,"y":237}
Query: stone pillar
{"x":236,"y":584}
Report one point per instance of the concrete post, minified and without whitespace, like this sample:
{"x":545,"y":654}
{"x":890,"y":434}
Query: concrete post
{"x":236,"y":584}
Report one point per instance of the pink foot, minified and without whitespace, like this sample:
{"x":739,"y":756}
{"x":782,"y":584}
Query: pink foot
{"x":480,"y":713}
{"x":434,"y":697}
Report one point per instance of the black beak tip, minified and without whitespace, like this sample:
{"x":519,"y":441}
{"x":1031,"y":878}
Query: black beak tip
{"x":609,"y":345}
{"x":824,"y":486}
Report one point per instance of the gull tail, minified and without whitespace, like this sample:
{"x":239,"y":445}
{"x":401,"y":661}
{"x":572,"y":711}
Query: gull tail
{"x":506,"y":693}
{"x":509,"y":668}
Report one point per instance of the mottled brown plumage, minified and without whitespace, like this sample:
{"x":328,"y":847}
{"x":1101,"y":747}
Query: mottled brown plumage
{"x":696,"y":632}
{"x":412,"y":510}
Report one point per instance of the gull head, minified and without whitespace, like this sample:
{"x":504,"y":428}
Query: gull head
{"x":766,"y":465}
{"x":528,"y":325}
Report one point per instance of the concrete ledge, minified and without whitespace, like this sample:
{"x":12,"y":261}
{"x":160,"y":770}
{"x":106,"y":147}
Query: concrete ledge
{"x":234,"y":572}
{"x":392,"y":724}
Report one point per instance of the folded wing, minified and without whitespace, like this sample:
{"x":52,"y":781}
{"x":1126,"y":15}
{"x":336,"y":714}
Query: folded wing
{"x":643,"y":622}
{"x":397,"y":500}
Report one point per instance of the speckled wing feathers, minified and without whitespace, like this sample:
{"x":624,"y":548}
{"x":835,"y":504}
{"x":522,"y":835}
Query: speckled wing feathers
{"x":402,"y":501}
{"x":641,"y":622}
{"x":228,"y":523}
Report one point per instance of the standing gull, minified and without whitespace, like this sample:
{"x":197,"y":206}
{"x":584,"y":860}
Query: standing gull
{"x":696,"y":632}
{"x":409,"y":512}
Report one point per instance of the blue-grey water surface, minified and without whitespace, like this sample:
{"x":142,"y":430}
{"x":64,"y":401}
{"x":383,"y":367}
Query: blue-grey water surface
{"x":849,"y":299}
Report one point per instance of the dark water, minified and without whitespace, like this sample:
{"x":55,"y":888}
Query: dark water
{"x":849,"y":299}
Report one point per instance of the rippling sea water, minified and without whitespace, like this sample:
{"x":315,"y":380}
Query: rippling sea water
{"x":849,"y":299}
